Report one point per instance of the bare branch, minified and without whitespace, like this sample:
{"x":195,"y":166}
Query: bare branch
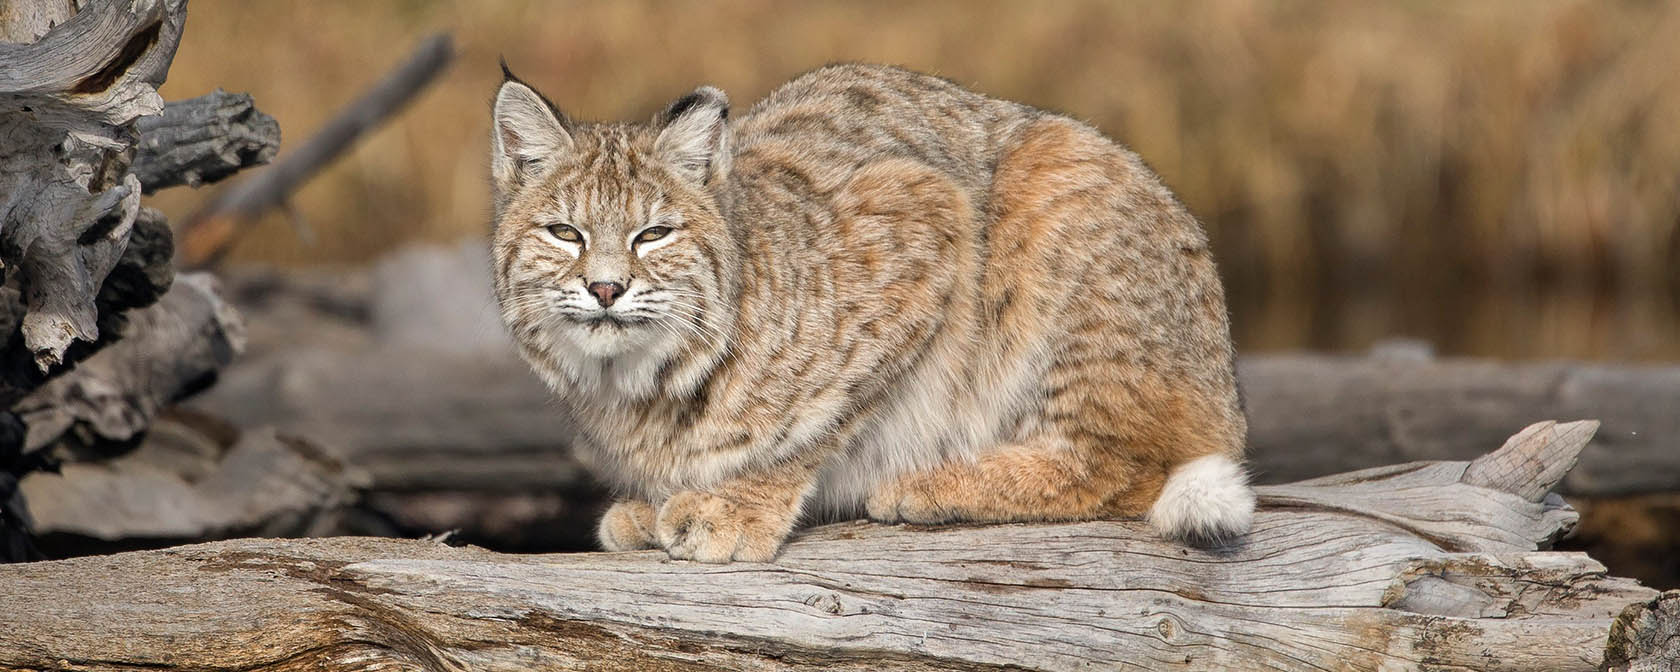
{"x":203,"y":140}
{"x":208,"y":233}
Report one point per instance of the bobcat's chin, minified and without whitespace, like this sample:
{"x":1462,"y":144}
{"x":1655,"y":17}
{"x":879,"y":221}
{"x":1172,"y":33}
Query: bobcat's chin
{"x":601,"y":358}
{"x":608,"y":337}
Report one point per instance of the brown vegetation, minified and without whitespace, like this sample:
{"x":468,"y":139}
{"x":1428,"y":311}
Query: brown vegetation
{"x":1454,"y":164}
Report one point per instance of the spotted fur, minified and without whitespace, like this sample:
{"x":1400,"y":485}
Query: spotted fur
{"x":879,"y":293}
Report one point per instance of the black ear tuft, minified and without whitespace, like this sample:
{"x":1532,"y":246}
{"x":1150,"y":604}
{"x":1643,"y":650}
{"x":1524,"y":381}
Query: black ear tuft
{"x":694,"y":134}
{"x":508,"y":76}
{"x":704,"y":96}
{"x":681,"y":105}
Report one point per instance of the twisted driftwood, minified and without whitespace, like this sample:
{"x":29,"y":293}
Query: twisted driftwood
{"x":1433,"y":565}
{"x":81,"y":135}
{"x":85,"y":265}
{"x":73,"y":81}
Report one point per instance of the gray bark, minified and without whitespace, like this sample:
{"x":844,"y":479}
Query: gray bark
{"x":141,"y":275}
{"x":1646,"y":637}
{"x":78,"y":105}
{"x":80,"y":138}
{"x":414,"y":419}
{"x":1422,"y":566}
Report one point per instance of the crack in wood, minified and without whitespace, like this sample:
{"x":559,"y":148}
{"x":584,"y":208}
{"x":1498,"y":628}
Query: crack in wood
{"x":131,"y":52}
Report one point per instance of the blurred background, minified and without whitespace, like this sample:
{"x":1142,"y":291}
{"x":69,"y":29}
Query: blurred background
{"x":1498,"y":180}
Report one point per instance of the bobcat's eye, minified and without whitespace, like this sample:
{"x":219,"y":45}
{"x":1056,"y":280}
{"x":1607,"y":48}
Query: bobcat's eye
{"x":653,"y":233}
{"x":565,"y":233}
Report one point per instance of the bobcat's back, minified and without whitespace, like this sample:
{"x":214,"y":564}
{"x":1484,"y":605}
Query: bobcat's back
{"x":840,"y":117}
{"x":1067,"y":239}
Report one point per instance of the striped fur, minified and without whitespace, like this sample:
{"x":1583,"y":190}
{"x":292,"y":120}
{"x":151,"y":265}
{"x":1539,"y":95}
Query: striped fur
{"x":881,"y":294}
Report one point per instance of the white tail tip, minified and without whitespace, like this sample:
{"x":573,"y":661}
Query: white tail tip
{"x":1206,"y":500}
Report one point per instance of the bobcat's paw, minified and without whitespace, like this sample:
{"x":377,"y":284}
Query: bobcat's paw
{"x":627,"y":526}
{"x":699,"y":526}
{"x":906,"y":500}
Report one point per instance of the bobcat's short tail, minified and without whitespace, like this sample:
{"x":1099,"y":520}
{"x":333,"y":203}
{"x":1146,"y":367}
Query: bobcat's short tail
{"x":1205,"y":501}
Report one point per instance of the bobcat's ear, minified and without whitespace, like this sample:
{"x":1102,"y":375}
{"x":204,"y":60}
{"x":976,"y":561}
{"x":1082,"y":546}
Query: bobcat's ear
{"x":694,"y":134}
{"x":528,"y":135}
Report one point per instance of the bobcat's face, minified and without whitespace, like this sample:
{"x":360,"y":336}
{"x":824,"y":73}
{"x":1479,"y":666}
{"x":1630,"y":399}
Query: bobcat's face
{"x":612,"y":259}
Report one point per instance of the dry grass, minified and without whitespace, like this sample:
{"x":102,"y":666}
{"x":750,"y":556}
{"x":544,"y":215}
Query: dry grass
{"x":1420,"y":151}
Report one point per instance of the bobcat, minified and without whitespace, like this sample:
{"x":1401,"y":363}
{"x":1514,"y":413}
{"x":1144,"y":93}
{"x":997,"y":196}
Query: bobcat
{"x":875,"y":292}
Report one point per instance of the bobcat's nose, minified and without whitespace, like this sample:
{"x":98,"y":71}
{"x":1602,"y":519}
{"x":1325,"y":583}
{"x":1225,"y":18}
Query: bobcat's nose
{"x":606,"y":292}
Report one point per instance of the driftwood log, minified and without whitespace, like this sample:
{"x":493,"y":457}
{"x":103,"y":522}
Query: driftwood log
{"x":432,"y":418}
{"x":77,"y":247}
{"x":168,"y":351}
{"x":72,"y":84}
{"x":188,"y":482}
{"x":410,"y":360}
{"x":1313,"y":414}
{"x":1435,"y":565}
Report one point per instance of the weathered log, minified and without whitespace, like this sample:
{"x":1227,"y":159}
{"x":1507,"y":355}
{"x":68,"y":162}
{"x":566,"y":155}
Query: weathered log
{"x":1421,"y":566}
{"x":203,"y":140}
{"x":494,"y":426}
{"x":141,"y":275}
{"x":168,"y":350}
{"x":484,"y":415}
{"x":183,"y":483}
{"x":1316,"y":414}
{"x":186,"y":484}
{"x":79,"y":140}
{"x":1646,"y":637}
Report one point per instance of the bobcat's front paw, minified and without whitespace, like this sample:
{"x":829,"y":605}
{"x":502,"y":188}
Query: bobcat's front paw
{"x":627,"y":526}
{"x":906,"y":500}
{"x":700,"y":526}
